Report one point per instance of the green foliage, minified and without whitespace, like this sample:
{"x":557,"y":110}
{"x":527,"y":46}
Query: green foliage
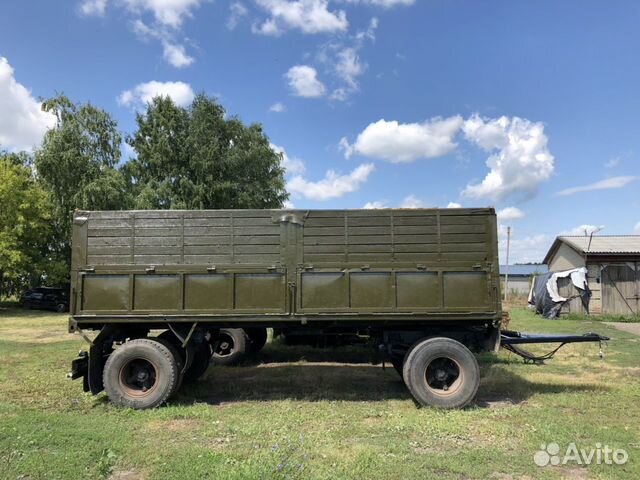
{"x":195,"y":158}
{"x":24,"y":225}
{"x":77,"y":165}
{"x":187,"y":158}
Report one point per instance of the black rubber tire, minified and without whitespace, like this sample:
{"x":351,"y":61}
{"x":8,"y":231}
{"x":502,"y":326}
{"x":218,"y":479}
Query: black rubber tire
{"x":61,"y":308}
{"x":201,"y":355}
{"x":257,"y":338}
{"x":175,"y":351}
{"x":236,"y":338}
{"x":151,"y":351}
{"x":419,"y":358}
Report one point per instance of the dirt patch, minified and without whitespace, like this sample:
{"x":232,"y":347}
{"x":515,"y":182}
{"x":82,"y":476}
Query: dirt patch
{"x":126,"y":475}
{"x":36,"y":335}
{"x":508,"y":476}
{"x":574,"y":473}
{"x":626,"y":327}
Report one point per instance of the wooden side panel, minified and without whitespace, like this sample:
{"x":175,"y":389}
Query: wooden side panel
{"x":620,"y":289}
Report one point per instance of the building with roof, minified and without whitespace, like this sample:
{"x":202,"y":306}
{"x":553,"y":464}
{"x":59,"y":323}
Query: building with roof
{"x":613,"y":265}
{"x":520,"y":276}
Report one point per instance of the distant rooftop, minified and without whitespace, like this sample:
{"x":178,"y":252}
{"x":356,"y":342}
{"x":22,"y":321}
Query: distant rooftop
{"x":600,"y":245}
{"x":605,"y":244}
{"x":523,"y":270}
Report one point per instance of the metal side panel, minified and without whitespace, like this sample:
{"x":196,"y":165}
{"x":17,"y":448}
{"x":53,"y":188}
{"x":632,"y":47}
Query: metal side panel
{"x":105,"y":292}
{"x":372,"y":290}
{"x":465,"y":290}
{"x":213,"y":292}
{"x":324,"y":290}
{"x":157,"y":292}
{"x":261,"y":292}
{"x":417,"y":290}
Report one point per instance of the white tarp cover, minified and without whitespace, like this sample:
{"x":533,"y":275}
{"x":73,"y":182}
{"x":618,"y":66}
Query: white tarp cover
{"x":545,"y":297}
{"x":578,"y":278}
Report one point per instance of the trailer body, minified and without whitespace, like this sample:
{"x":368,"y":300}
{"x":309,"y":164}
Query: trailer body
{"x":230,"y":267}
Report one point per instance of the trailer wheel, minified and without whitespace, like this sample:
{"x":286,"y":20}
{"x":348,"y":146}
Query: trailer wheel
{"x":199,"y":357}
{"x":176,"y":352}
{"x":231,"y":346}
{"x":441,"y":372}
{"x":257,"y":338}
{"x":201,"y":360}
{"x":140,"y":374}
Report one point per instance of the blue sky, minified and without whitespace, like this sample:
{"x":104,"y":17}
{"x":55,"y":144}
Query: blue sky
{"x":531,"y":107}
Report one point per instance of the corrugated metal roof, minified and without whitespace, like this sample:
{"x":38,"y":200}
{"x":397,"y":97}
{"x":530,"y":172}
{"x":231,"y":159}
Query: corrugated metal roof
{"x":523,"y":270}
{"x":605,"y":244}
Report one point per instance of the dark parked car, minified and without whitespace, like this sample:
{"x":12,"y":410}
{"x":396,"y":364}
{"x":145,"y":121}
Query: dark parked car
{"x":47,"y":298}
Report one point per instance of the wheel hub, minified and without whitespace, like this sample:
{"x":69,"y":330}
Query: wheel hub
{"x":443,"y":376}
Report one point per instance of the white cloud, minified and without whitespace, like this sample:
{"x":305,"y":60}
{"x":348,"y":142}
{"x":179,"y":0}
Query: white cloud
{"x":22,"y":121}
{"x":370,"y":32}
{"x":181,"y":93}
{"x":509,"y":214}
{"x":166,"y":12}
{"x":384,"y":3}
{"x":307,"y":16}
{"x":349,"y":67}
{"x":168,"y":17}
{"x":582,"y":230}
{"x":176,"y":55}
{"x":606,"y":184}
{"x":292,"y":166}
{"x":237,"y":11}
{"x":520,"y":160}
{"x":333,"y":185}
{"x":376,"y":204}
{"x":453,"y":205}
{"x":93,"y":7}
{"x":530,"y":248}
{"x":412,"y":201}
{"x":612,"y":162}
{"x":277,"y":107}
{"x":342,"y":60}
{"x":405,"y":142}
{"x":636,"y":229}
{"x":288,"y":204}
{"x":303,"y":82}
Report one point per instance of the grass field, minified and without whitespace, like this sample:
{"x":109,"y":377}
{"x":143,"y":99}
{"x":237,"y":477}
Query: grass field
{"x":308,"y":413}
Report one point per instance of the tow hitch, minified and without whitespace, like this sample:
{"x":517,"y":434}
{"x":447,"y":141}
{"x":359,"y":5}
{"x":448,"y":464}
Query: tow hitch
{"x":509,"y":340}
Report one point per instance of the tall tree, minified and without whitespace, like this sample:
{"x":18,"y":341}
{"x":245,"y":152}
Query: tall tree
{"x":77,"y":165}
{"x":24,"y":225}
{"x":195,"y":158}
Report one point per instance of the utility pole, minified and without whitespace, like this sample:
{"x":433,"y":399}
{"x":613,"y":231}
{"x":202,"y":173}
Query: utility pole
{"x":506,"y":272}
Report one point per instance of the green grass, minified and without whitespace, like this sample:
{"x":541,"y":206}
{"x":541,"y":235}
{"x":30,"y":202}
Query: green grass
{"x":607,"y":317}
{"x":299,"y":412}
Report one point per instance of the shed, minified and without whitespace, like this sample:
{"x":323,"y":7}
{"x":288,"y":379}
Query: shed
{"x":613,"y":265}
{"x":520,"y":277}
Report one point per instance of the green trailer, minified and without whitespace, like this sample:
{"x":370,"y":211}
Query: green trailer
{"x":422,"y":284}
